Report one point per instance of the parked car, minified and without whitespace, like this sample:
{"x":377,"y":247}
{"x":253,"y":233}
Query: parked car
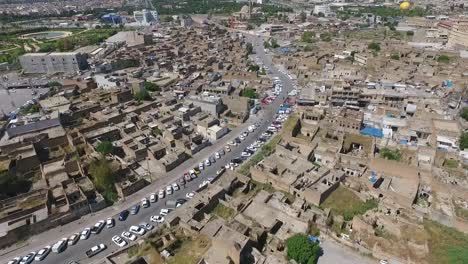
{"x":28,"y":258}
{"x":95,"y":250}
{"x":190,"y":195}
{"x":153,"y":197}
{"x":187,"y":177}
{"x":212,"y":159}
{"x":217,"y":155}
{"x":123,"y":215}
{"x":201,"y":166}
{"x":15,"y":260}
{"x":73,"y":239}
{"x":134,"y":209}
{"x":164,"y":211}
{"x":221,"y":152}
{"x":228,"y":149}
{"x":137,"y":230}
{"x":96,"y":229}
{"x":61,"y":245}
{"x":169,"y":190}
{"x":110,"y":222}
{"x":146,"y":226}
{"x":161,"y":194}
{"x":85,"y":234}
{"x":181,"y":181}
{"x":157,"y":219}
{"x":42,"y":254}
{"x":120,"y":242}
{"x":175,"y":186}
{"x":145,"y":203}
{"x":129,"y":236}
{"x":207,"y":162}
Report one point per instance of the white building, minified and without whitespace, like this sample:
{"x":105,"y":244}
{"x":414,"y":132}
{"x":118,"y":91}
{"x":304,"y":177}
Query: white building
{"x":324,"y":9}
{"x":146,"y":17}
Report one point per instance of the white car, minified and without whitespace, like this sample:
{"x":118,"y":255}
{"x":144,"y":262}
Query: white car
{"x":169,"y":190}
{"x":85,"y":234}
{"x":129,"y":236}
{"x":145,"y":203}
{"x":207,"y":162}
{"x":228,"y":148}
{"x":203,"y":184}
{"x":246,"y":154}
{"x":137,"y":230}
{"x":42,"y":254}
{"x":175,"y":186}
{"x":146,"y":226}
{"x":161,"y":194}
{"x":164,"y":212}
{"x":201,"y":166}
{"x":14,"y":261}
{"x":157,"y":219}
{"x":119,"y":241}
{"x":189,"y":195}
{"x":73,"y":239}
{"x":28,"y":258}
{"x":241,"y":137}
{"x":110,"y":222}
{"x":153,"y":198}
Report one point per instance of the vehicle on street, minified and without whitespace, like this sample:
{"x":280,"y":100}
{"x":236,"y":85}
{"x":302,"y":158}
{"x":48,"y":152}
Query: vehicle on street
{"x":153,"y":197}
{"x":207,"y":162}
{"x":145,"y":203}
{"x":217,"y":155}
{"x":212,"y":159}
{"x":42,"y":254}
{"x":164,"y":211}
{"x":110,"y":222}
{"x":201,"y":166}
{"x":120,"y":242}
{"x":189,"y":195}
{"x":175,"y":186}
{"x":85,"y":234}
{"x":246,"y":154}
{"x":134,"y":209}
{"x":96,"y":229}
{"x":123,"y":215}
{"x":157,"y":219}
{"x":95,"y":250}
{"x":169,"y":190}
{"x":28,"y":258}
{"x":228,"y":149}
{"x":62,"y":245}
{"x":203,"y":184}
{"x":242,"y":137}
{"x":137,"y":230}
{"x":232,"y":143}
{"x":221,"y":152}
{"x":181,"y":181}
{"x":146,"y":226}
{"x":128,"y":235}
{"x":73,"y":239}
{"x":161,"y":194}
{"x":14,"y":261}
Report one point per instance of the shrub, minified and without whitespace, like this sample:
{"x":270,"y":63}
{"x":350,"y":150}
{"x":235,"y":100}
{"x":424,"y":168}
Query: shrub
{"x":302,"y":250}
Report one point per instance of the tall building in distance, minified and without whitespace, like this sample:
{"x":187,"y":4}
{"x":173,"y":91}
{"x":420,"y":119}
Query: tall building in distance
{"x":146,"y":17}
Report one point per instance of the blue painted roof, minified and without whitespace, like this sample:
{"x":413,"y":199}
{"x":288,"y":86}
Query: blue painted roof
{"x":372,"y":131}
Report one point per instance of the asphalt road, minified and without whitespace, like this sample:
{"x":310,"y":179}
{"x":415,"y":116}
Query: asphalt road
{"x":77,"y":252}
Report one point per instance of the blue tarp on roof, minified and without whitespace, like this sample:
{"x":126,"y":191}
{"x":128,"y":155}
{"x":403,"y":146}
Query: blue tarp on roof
{"x":372,"y":131}
{"x":313,"y":238}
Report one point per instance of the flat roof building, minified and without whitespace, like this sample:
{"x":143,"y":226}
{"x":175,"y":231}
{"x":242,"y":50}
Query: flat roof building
{"x":53,"y":62}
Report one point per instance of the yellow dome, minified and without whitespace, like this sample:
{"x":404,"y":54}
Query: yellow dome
{"x":405,"y":5}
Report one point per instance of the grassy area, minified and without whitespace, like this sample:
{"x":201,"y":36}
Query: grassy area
{"x":224,"y":211}
{"x":265,"y":151}
{"x":451,"y":164}
{"x":190,"y":251}
{"x":446,"y":245}
{"x":389,"y":154}
{"x":344,"y":202}
{"x":290,"y":124}
{"x":461,"y":212}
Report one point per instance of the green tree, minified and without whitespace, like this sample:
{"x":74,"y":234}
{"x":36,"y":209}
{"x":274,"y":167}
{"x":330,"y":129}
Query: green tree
{"x":149,"y":86}
{"x":307,"y":37}
{"x":303,"y":16}
{"x":274,"y":43}
{"x":103,"y":178}
{"x":325,"y":37}
{"x":302,"y":250}
{"x":464,"y":141}
{"x":375,"y":46}
{"x":308,"y":48}
{"x":390,"y":154}
{"x":266,"y":44}
{"x":395,"y":56}
{"x":443,"y":59}
{"x":105,"y":147}
{"x":409,"y":33}
{"x":250,"y":93}
{"x":464,"y":113}
{"x":142,"y":96}
{"x":249,"y":48}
